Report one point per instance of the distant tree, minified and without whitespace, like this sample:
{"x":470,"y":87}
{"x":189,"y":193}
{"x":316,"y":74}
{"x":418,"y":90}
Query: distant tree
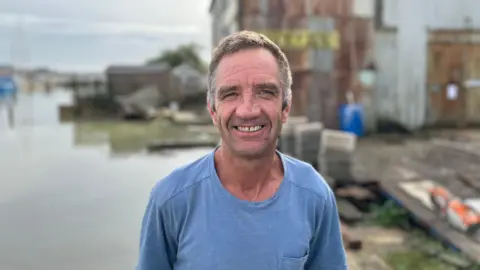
{"x":184,"y":54}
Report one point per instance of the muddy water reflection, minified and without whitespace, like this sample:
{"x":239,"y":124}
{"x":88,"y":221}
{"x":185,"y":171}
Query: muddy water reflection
{"x":66,"y":200}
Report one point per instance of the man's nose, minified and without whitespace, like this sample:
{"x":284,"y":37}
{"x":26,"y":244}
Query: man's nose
{"x":248,"y":108}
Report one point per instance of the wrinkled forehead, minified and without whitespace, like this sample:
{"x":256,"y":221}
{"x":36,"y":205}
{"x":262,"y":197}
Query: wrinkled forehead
{"x":248,"y":69}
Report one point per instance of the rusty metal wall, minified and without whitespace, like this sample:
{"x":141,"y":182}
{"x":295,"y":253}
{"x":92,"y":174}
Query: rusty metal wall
{"x":322,"y":99}
{"x":293,"y":18}
{"x":332,"y":8}
{"x":301,"y":81}
{"x":356,"y":44}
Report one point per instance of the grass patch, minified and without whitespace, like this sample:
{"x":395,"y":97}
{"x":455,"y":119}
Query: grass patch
{"x":415,"y":260}
{"x":389,"y":215}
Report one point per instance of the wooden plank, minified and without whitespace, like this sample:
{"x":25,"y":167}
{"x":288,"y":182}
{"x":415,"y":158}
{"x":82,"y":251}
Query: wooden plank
{"x":406,"y":173}
{"x":419,"y":190}
{"x":362,"y":198}
{"x":348,"y":212}
{"x":362,"y":176}
{"x":356,"y":193}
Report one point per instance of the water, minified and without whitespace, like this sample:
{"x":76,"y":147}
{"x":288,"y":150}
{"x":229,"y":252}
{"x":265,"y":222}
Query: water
{"x":71,"y":205}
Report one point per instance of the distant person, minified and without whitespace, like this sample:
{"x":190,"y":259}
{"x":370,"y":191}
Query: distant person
{"x":244,"y":206}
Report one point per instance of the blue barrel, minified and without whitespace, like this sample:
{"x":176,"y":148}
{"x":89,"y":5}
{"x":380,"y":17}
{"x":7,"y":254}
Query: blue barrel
{"x":7,"y":87}
{"x":351,"y":119}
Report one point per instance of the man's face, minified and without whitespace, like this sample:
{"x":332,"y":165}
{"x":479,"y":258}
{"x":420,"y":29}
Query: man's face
{"x":248,"y":102}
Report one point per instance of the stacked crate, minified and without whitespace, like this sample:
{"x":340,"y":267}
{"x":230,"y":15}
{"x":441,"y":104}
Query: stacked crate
{"x":286,"y":142}
{"x":307,"y":141}
{"x":335,"y":157}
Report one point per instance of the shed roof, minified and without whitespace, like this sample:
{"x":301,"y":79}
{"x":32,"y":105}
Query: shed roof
{"x":133,"y":69}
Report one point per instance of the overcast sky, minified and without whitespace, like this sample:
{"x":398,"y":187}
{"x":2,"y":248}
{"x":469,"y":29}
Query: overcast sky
{"x":88,"y":35}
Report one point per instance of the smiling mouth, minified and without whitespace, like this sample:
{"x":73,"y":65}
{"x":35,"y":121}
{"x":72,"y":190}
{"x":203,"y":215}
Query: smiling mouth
{"x":249,"y":129}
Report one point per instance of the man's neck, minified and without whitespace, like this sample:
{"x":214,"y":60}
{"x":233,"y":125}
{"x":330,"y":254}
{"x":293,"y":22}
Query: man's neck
{"x":243,"y":174}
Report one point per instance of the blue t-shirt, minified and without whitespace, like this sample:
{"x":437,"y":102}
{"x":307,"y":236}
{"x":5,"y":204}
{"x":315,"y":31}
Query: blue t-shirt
{"x":193,"y":222}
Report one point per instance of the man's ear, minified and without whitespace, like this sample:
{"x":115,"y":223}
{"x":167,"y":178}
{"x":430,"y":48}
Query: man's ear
{"x":212,"y":112}
{"x":286,"y":112}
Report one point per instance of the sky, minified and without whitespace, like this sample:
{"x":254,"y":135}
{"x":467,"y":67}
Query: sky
{"x":89,"y":35}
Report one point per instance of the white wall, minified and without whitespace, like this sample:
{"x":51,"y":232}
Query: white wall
{"x":449,"y":14}
{"x":385,"y":96}
{"x":411,"y":62}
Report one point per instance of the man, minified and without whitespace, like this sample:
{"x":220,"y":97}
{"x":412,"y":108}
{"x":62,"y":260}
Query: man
{"x":244,"y":206}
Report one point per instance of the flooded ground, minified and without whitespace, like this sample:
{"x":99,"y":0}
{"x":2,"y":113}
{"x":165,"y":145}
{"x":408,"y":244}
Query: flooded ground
{"x":68,"y":199}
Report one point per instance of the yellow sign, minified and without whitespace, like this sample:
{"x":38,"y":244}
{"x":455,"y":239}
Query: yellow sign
{"x":303,"y":39}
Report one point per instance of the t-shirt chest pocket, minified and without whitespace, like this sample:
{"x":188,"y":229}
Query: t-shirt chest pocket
{"x":289,"y":263}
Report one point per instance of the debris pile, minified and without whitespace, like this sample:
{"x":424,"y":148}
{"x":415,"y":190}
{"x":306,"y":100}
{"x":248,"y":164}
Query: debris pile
{"x":403,"y":170}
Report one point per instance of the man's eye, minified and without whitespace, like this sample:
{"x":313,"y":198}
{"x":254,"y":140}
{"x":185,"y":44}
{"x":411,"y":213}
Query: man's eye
{"x":229,"y":95}
{"x":267,"y":92}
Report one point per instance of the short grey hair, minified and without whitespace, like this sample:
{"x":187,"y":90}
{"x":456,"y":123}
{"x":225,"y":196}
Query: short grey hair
{"x":244,"y":40}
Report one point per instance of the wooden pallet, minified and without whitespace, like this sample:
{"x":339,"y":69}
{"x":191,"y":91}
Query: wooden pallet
{"x":348,"y":212}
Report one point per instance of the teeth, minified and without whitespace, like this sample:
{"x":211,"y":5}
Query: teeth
{"x":249,"y":129}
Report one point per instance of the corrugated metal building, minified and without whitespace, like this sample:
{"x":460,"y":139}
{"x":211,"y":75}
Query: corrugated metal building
{"x":125,"y":80}
{"x":414,"y":69}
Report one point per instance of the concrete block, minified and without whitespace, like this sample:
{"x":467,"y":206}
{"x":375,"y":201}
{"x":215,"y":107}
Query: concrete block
{"x":339,"y":140}
{"x":293,"y":120}
{"x":307,"y":141}
{"x":286,"y":142}
{"x":335,"y":157}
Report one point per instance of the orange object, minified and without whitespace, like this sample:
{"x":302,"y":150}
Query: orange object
{"x":466,"y":215}
{"x":459,"y":208}
{"x":441,"y":192}
{"x":471,"y":219}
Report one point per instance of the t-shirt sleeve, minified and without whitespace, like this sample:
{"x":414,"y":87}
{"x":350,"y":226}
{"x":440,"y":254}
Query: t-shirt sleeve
{"x":157,"y":241}
{"x":327,"y":251}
